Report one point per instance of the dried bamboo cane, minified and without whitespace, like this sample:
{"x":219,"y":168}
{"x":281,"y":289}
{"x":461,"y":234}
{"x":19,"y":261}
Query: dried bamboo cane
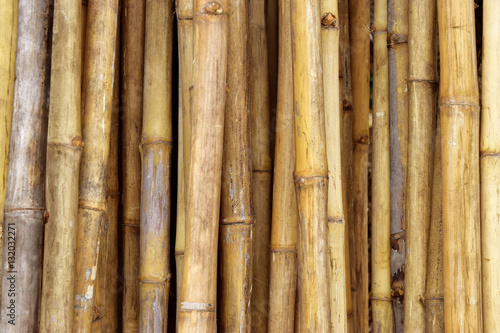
{"x":25,"y":195}
{"x":83,"y":29}
{"x":422,"y":98}
{"x":237,"y":220}
{"x":154,"y":272}
{"x":311,"y":171}
{"x":64,"y":149}
{"x":459,"y":107}
{"x":98,"y":98}
{"x":199,"y":284}
{"x":262,"y":165}
{"x":283,"y":247}
{"x":359,"y":18}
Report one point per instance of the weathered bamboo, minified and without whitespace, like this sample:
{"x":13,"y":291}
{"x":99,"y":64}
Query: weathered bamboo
{"x":422,"y":104}
{"x":262,"y":165}
{"x":98,"y":98}
{"x":311,"y":171}
{"x":359,"y":18}
{"x":199,"y":283}
{"x":83,"y":29}
{"x":237,"y":220}
{"x":283,"y":246}
{"x":459,"y":107}
{"x":64,"y":149}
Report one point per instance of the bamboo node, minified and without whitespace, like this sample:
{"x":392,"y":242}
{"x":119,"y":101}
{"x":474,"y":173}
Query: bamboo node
{"x":194,"y":306}
{"x":346,"y":105}
{"x":214,"y":8}
{"x":364,"y":140}
{"x":380,"y":298}
{"x":329,"y":21}
{"x":490,"y":154}
{"x":339,"y":220}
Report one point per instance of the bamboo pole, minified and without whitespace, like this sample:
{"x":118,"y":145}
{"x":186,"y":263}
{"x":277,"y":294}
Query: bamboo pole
{"x":262,"y":165}
{"x":97,"y":89}
{"x":237,"y":220}
{"x":422,"y":98}
{"x":359,"y":18}
{"x":311,"y":171}
{"x":25,"y":196}
{"x":199,"y":291}
{"x":459,"y":106}
{"x":283,"y":246}
{"x":64,"y":149}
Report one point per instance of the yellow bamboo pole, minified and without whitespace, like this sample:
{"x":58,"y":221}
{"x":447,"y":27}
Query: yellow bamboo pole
{"x":283,"y":247}
{"x":459,"y":107}
{"x":198,"y":296}
{"x":98,"y":97}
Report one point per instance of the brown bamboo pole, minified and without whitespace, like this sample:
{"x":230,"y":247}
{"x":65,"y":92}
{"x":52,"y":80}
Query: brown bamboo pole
{"x":359,"y":18}
{"x":237,"y":220}
{"x":422,"y":98}
{"x":459,"y":106}
{"x":25,"y":196}
{"x":199,"y":283}
{"x":262,"y":164}
{"x":98,"y":92}
{"x":154,"y":272}
{"x":283,"y":246}
{"x":311,"y":171}
{"x":64,"y":149}
{"x":490,"y":167}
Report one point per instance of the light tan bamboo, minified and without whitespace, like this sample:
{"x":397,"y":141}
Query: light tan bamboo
{"x":262,"y":165}
{"x":311,"y":171}
{"x":381,"y":302}
{"x":459,"y":107}
{"x":199,"y":283}
{"x":283,"y":246}
{"x":422,"y":105}
{"x":64,"y":149}
{"x":98,"y":97}
{"x":359,"y":18}
{"x":83,"y":29}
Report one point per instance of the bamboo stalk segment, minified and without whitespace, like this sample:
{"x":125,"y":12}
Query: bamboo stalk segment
{"x":311,"y":171}
{"x":459,"y":107}
{"x":283,"y":246}
{"x":64,"y":149}
{"x":97,"y":92}
{"x":198,"y":296}
{"x":25,"y":196}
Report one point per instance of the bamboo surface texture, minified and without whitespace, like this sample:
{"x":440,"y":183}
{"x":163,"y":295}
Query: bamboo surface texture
{"x":96,"y":122}
{"x":198,"y":296}
{"x":64,"y":149}
{"x":459,"y":108}
{"x":283,"y":246}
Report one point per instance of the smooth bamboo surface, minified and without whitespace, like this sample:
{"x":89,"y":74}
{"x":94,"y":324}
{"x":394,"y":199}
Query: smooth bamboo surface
{"x":64,"y":149}
{"x":459,"y":108}
{"x":199,"y":285}
{"x":283,"y":246}
{"x":96,"y":123}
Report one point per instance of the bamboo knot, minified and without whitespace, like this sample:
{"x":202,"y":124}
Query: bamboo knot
{"x":77,"y":142}
{"x":364,"y":140}
{"x":380,"y":298}
{"x":213,"y":8}
{"x":193,"y":306}
{"x":346,"y":105}
{"x":329,"y":21}
{"x":395,"y":38}
{"x":339,"y":220}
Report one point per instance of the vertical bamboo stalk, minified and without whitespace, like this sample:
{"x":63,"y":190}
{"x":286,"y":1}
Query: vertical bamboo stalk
{"x":199,"y":284}
{"x":262,"y":165}
{"x":180,"y":235}
{"x":490,"y":167}
{"x":459,"y":106}
{"x":64,"y":149}
{"x":237,"y":220}
{"x":98,"y":98}
{"x":283,"y":247}
{"x":25,"y":195}
{"x":311,"y":171}
{"x":359,"y":18}
{"x":422,"y":98}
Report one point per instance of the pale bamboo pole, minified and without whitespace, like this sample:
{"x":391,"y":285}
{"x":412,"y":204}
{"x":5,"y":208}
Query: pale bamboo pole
{"x":237,"y":219}
{"x":359,"y":19}
{"x":83,"y":29}
{"x":98,"y":98}
{"x":199,"y":284}
{"x":283,"y":246}
{"x":311,"y":171}
{"x":64,"y":149}
{"x":459,"y":107}
{"x":262,"y":164}
{"x":422,"y":104}
{"x":381,"y":301}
